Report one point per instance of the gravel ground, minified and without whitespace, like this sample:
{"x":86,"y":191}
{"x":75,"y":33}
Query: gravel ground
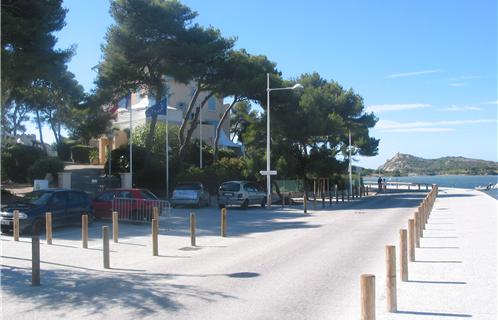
{"x":278,"y":264}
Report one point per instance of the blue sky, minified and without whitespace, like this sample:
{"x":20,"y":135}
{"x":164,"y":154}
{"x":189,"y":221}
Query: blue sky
{"x":428,"y":69}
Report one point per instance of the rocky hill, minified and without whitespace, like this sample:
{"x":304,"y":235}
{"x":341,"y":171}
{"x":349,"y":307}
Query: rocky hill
{"x":403,"y":164}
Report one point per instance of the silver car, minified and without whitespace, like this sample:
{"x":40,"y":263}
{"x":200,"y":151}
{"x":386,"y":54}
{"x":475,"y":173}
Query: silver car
{"x":241,"y":193}
{"x":190,"y":194}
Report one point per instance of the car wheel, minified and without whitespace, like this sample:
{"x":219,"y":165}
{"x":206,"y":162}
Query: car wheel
{"x":263,"y":203}
{"x":245,"y":204}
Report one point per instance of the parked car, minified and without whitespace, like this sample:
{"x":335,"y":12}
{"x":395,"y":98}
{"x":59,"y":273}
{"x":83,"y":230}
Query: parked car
{"x":66,"y":206}
{"x":133,"y":203}
{"x":241,"y":193}
{"x":190,"y":193}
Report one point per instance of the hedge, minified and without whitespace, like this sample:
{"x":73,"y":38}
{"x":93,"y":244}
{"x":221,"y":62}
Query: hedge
{"x":81,"y":153}
{"x":16,"y":159}
{"x":43,"y":166}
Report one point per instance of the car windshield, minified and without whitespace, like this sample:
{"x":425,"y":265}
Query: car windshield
{"x":230,"y":187}
{"x":37,"y":197}
{"x":188,"y":187}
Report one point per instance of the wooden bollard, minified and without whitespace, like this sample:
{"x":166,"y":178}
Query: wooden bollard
{"x":192,"y":229}
{"x":155,"y":247}
{"x":35,"y":261}
{"x":16,"y":225}
{"x":105,"y":246}
{"x":305,"y":202}
{"x":84,"y":230}
{"x":223,"y":222}
{"x":367,"y":297}
{"x":155,"y":214}
{"x":391,"y":278}
{"x":115,"y":227}
{"x":403,"y":255}
{"x":411,"y":239}
{"x":417,"y":229}
{"x":48,"y":226}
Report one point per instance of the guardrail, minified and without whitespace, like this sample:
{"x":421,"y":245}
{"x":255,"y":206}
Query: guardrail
{"x":137,"y":210}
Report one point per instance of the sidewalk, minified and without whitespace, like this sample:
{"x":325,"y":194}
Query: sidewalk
{"x":454,"y":275}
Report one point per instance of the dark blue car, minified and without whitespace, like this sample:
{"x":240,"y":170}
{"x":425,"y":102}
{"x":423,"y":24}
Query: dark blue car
{"x":66,"y":206}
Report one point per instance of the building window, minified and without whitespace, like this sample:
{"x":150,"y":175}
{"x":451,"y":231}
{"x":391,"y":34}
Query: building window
{"x":212,"y":104}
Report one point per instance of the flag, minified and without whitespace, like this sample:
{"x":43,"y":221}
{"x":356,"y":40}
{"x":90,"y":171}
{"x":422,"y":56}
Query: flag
{"x":160,"y":108}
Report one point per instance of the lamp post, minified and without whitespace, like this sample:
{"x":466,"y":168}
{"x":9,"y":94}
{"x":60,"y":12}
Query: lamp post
{"x":350,"y":168}
{"x":268,"y":90}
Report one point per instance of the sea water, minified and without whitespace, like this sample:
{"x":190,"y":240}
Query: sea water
{"x":466,"y":182}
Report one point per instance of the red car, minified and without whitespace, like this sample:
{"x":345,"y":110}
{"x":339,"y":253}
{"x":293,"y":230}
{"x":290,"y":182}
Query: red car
{"x":131,"y":204}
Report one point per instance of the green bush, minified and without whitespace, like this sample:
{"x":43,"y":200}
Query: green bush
{"x":41,"y":167}
{"x":81,"y":153}
{"x":16,"y":159}
{"x":213,"y":176}
{"x":64,"y":150}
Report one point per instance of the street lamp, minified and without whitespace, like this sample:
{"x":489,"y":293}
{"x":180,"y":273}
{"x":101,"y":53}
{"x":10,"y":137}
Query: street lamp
{"x":268,"y":173}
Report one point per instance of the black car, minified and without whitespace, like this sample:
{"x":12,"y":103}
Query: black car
{"x":66,"y":206}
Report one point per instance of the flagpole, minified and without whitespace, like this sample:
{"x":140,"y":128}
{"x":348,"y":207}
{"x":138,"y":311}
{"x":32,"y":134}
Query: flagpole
{"x":200,"y":137}
{"x":167,"y":152}
{"x":131,"y":143}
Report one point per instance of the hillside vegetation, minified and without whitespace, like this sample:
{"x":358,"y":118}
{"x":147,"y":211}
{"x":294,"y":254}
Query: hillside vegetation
{"x":405,"y":164}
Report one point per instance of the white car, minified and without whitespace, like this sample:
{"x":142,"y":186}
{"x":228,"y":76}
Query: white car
{"x":241,"y":193}
{"x":190,"y":194}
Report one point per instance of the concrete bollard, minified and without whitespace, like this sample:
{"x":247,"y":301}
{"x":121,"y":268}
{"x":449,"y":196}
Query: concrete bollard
{"x":16,"y":225}
{"x":115,"y":227}
{"x":403,"y":254}
{"x":391,"y":278}
{"x":105,"y":247}
{"x":192,"y":229}
{"x":84,"y":231}
{"x":305,"y":202}
{"x":411,"y":239}
{"x":367,"y":297}
{"x":48,"y":226}
{"x":155,"y":232}
{"x":224,"y":222}
{"x":35,"y":261}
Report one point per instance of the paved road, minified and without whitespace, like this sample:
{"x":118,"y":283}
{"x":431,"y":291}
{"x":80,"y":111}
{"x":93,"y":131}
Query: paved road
{"x":278,"y":265}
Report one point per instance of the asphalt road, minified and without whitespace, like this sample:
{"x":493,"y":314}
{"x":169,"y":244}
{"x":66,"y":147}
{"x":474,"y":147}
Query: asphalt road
{"x":273,"y":265}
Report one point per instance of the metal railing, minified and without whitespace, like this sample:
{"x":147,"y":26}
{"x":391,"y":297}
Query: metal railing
{"x":139,"y":210}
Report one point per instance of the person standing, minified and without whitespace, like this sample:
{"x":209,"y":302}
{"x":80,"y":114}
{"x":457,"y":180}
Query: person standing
{"x":379,"y":183}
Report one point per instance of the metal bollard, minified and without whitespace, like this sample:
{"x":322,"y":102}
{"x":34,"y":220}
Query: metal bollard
{"x":105,"y":246}
{"x":35,"y":261}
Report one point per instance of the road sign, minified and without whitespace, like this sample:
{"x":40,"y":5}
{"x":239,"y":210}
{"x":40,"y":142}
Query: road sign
{"x":268,"y":173}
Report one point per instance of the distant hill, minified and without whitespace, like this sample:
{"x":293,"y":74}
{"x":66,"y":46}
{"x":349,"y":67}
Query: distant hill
{"x":405,"y":164}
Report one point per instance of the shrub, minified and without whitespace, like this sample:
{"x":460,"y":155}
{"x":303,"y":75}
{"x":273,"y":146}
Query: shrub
{"x":16,"y":159}
{"x":41,"y":167}
{"x":81,"y":153}
{"x":64,"y":150}
{"x":213,"y":176}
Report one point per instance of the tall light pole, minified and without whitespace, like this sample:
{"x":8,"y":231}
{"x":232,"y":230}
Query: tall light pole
{"x":200,"y":137}
{"x":268,"y":178}
{"x":350,"y":168}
